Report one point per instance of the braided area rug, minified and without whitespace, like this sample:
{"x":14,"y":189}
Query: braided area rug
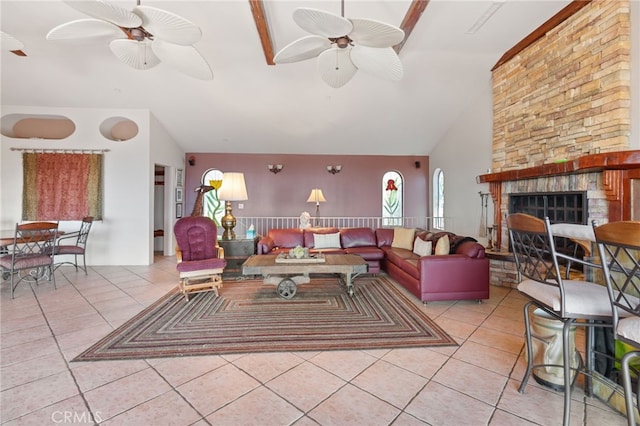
{"x":248,"y":316}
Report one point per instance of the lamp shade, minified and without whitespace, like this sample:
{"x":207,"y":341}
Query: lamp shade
{"x":233,"y":187}
{"x":316,"y":196}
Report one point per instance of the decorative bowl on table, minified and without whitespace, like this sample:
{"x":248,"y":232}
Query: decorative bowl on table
{"x":300,"y":256}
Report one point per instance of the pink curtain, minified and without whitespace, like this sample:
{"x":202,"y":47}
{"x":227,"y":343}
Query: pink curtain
{"x":61,"y":186}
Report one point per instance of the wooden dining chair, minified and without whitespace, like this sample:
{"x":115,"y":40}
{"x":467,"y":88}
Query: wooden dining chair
{"x":571,"y":302}
{"x":29,"y":257}
{"x":619,"y":250}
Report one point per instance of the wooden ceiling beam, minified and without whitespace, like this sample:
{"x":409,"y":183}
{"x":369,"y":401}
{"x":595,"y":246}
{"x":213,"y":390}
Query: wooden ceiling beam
{"x":568,"y":11}
{"x":410,"y":20}
{"x":257,"y":9}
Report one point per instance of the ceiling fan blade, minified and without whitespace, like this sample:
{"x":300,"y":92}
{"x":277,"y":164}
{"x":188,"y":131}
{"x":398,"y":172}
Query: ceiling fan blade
{"x":371,"y":33}
{"x":381,"y":62}
{"x":302,"y":49}
{"x":335,"y":67}
{"x":136,"y":54}
{"x":9,"y":42}
{"x":322,"y":23}
{"x":168,"y":26}
{"x":85,"y":29}
{"x":183,"y":58}
{"x":107,"y":12}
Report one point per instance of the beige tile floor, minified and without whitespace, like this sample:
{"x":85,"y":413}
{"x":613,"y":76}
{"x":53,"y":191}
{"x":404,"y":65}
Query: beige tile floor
{"x":474,"y":383}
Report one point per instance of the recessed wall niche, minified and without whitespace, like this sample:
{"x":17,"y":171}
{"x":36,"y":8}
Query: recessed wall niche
{"x":35,"y":126}
{"x":118,"y":129}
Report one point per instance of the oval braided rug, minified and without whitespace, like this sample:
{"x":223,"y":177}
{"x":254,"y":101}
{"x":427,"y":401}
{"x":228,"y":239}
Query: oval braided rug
{"x":248,"y":316}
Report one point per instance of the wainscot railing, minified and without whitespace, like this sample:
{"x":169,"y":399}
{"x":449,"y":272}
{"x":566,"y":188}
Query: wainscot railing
{"x":263,"y":224}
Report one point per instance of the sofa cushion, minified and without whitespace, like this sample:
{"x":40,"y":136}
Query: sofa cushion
{"x":367,"y":253}
{"x":384,"y":236}
{"x":325,"y":241}
{"x":398,"y":255}
{"x":442,"y":246}
{"x":422,"y":247}
{"x":410,"y":266}
{"x":357,"y":237}
{"x":290,"y":237}
{"x":403,"y":238}
{"x":309,"y":239}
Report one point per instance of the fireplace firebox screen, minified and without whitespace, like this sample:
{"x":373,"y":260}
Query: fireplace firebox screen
{"x":565,"y":207}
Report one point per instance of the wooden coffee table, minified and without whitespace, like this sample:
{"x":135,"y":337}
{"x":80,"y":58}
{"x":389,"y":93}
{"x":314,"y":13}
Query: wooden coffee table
{"x":287,"y":276}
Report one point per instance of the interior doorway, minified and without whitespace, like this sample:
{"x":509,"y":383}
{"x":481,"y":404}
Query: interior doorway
{"x":159,"y":208}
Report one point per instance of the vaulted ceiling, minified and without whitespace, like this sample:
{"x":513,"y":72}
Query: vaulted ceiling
{"x":254,"y":106}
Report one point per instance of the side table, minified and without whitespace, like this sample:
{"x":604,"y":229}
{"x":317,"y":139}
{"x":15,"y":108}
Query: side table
{"x":236,"y":251}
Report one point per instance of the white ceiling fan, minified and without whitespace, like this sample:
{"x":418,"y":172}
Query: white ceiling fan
{"x":141,"y":38}
{"x":344,"y":46}
{"x":12,"y":44}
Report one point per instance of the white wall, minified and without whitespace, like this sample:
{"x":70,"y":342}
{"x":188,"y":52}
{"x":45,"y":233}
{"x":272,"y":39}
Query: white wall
{"x":462,"y":154}
{"x":125,"y":235}
{"x":167,"y":153}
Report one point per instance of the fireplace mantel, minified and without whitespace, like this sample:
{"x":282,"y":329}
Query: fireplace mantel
{"x":617,"y":168}
{"x":619,"y":160}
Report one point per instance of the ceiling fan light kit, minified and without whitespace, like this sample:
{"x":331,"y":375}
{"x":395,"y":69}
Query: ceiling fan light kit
{"x":141,"y":38}
{"x":344,"y":46}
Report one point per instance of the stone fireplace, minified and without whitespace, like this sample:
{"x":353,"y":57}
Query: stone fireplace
{"x":610,"y":182}
{"x":562,"y":116}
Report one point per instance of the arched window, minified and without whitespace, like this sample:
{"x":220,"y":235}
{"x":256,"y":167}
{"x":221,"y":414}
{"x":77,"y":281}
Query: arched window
{"x":438,"y":199}
{"x":211,"y":204}
{"x":392,"y":200}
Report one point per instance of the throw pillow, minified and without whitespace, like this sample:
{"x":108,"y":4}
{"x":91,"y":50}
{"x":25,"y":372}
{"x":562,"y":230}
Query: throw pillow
{"x":403,"y":238}
{"x":422,"y":247}
{"x":442,"y":246}
{"x":324,"y":241}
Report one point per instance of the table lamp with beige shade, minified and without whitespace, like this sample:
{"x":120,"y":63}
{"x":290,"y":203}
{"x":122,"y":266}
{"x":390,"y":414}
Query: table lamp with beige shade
{"x":233,"y":188}
{"x":317,"y":197}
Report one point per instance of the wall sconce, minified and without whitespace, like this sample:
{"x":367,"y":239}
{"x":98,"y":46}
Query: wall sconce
{"x":192,"y":160}
{"x":275,"y":168}
{"x":334,"y":169}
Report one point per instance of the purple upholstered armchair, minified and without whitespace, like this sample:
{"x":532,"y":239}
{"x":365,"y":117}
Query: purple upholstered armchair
{"x":200,"y":260}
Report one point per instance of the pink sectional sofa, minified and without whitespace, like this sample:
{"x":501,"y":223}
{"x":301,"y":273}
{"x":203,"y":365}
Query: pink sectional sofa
{"x":360,"y":241}
{"x":463,"y":274}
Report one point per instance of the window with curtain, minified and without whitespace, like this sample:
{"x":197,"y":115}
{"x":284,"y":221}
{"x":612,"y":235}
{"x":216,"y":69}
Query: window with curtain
{"x":392,"y":200}
{"x":61,"y":186}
